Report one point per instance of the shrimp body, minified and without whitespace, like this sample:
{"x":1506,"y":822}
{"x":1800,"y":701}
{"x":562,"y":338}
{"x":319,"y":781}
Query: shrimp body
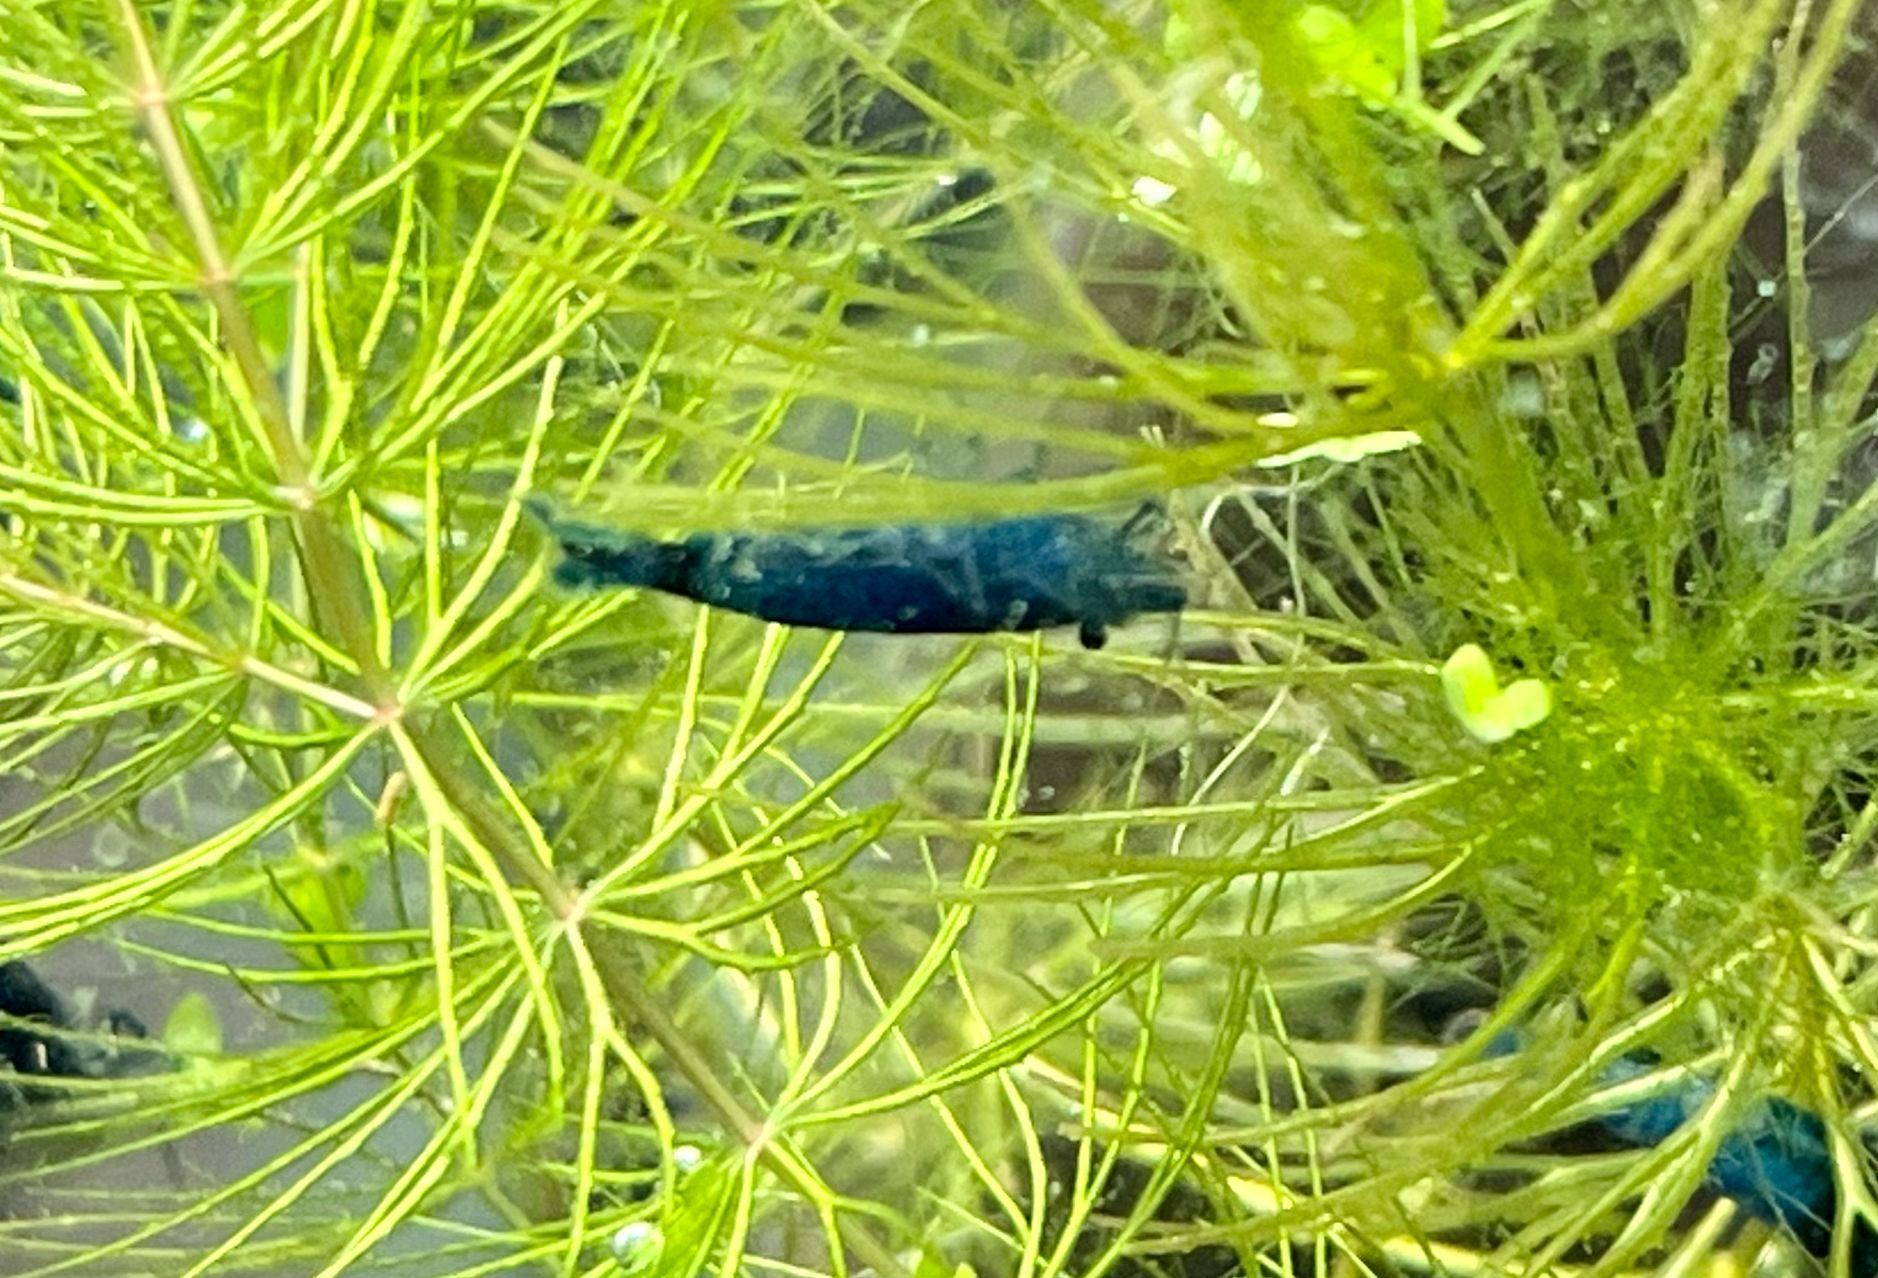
{"x":1776,"y":1163}
{"x":1029,"y":573}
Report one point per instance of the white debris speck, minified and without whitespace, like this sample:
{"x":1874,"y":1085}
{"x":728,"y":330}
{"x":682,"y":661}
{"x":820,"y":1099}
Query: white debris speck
{"x":1346,"y":448}
{"x":1152,"y":191}
{"x":1524,"y":396}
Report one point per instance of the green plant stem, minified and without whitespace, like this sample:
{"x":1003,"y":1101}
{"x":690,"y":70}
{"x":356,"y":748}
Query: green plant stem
{"x":334,"y":578}
{"x":322,"y":555}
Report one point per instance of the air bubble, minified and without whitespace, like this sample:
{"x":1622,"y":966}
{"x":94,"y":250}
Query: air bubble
{"x":637,"y":1246}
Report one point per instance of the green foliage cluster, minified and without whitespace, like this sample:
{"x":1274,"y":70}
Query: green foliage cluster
{"x":527,"y":932}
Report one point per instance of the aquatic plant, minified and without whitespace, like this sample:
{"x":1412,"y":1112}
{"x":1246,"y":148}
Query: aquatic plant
{"x":1503,"y":375}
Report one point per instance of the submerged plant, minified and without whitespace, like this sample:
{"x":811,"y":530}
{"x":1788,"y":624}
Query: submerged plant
{"x":1502,"y":372}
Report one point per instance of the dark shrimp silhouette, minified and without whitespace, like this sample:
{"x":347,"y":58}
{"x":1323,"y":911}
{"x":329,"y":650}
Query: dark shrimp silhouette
{"x":1029,"y":573}
{"x":35,"y":1043}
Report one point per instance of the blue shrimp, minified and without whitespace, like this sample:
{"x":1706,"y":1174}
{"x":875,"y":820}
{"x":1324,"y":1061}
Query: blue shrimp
{"x":1027,"y":573}
{"x":1776,"y":1164}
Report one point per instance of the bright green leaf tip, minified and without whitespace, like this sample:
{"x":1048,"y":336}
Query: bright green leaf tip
{"x":1489,"y":712}
{"x":193,"y":1028}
